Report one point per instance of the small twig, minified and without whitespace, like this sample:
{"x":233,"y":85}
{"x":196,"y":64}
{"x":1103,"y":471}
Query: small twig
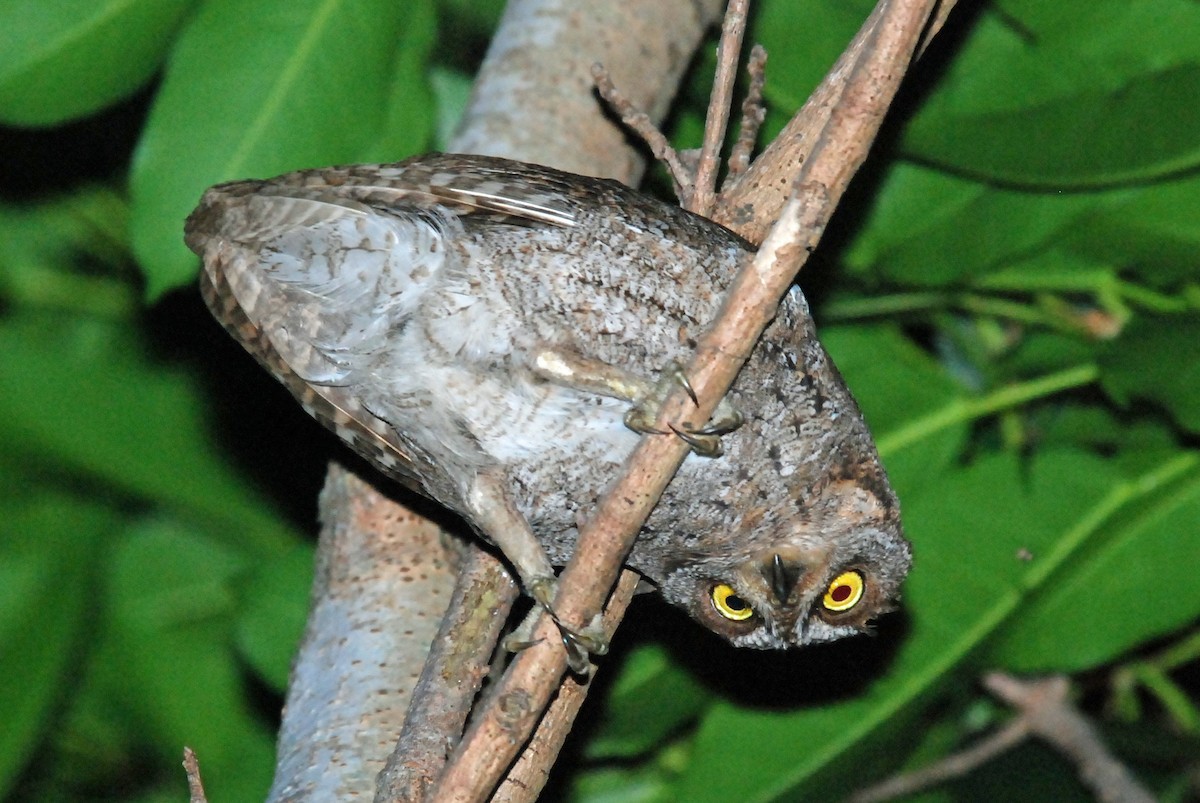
{"x":1048,"y":713}
{"x":191,"y":766}
{"x":640,"y":123}
{"x":753,"y":114}
{"x":953,"y":766}
{"x":704,"y":186}
{"x":865,"y":71}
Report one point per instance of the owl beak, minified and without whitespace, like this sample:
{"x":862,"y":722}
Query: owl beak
{"x":782,"y":576}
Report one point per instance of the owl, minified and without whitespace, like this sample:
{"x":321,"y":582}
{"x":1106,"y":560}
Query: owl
{"x":491,"y":334}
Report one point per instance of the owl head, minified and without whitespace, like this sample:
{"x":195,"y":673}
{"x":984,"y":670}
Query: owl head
{"x":825,"y":579}
{"x":794,"y":536}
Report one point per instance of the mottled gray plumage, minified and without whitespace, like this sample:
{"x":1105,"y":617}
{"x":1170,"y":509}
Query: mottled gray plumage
{"x":478,"y":328}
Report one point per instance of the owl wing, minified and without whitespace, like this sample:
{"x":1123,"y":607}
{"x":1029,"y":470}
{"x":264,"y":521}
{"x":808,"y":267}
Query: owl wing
{"x":312,"y":281}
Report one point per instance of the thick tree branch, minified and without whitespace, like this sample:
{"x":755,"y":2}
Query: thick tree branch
{"x":382,"y":582}
{"x":453,"y":674}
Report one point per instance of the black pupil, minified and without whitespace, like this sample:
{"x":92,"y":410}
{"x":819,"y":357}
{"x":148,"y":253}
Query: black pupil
{"x":735,"y":603}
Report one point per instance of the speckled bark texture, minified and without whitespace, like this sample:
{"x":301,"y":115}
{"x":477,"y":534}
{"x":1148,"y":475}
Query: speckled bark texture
{"x":534,"y":98}
{"x":347,"y":696}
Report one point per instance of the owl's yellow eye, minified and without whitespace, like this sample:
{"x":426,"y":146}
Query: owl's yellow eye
{"x":844,"y":592}
{"x":729,"y":604}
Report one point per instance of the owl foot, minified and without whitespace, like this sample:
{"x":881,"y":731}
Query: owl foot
{"x":580,"y":644}
{"x":706,"y":440}
{"x":568,"y":368}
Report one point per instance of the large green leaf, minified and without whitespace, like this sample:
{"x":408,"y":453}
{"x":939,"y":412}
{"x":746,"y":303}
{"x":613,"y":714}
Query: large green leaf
{"x":54,"y":251}
{"x":273,"y":611}
{"x":1158,"y":359}
{"x":1035,"y":96}
{"x":167,"y":656}
{"x":651,"y":700}
{"x":254,"y":90}
{"x":48,"y":590}
{"x":1132,"y":579}
{"x":1152,"y":231}
{"x":84,"y":397}
{"x":61,"y":59}
{"x":930,"y":229}
{"x":824,"y":26}
{"x":900,"y":388}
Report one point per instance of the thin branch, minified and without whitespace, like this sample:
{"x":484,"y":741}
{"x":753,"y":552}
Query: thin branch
{"x":703,"y":196}
{"x":640,"y":123}
{"x":953,"y":766}
{"x":1046,"y":708}
{"x":525,"y":780}
{"x":753,"y":114}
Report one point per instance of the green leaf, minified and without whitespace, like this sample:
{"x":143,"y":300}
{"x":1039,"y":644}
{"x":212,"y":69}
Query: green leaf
{"x":84,"y":395}
{"x":969,"y":577}
{"x":1037,"y":107}
{"x":1131,"y":582}
{"x":897,"y":384}
{"x":639,"y":784}
{"x":67,"y":252}
{"x":61,"y":59}
{"x":254,"y":90}
{"x":168,"y":656}
{"x":650,"y":700}
{"x":409,"y":125}
{"x":1152,"y":231}
{"x":273,"y":613}
{"x":47,"y":607}
{"x":1157,"y":359}
{"x":931,"y":229}
{"x":451,"y":91}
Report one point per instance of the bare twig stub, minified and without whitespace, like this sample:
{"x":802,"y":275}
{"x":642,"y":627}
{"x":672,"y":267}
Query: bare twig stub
{"x":704,"y":184}
{"x":753,"y":114}
{"x":640,"y":123}
{"x":953,"y":766}
{"x":195,"y":786}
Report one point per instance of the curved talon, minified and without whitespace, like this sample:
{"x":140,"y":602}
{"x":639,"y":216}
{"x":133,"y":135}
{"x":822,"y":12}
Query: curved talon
{"x":636,"y":420}
{"x":579,"y":644}
{"x":728,"y":421}
{"x":702,"y":444}
{"x":681,"y":378}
